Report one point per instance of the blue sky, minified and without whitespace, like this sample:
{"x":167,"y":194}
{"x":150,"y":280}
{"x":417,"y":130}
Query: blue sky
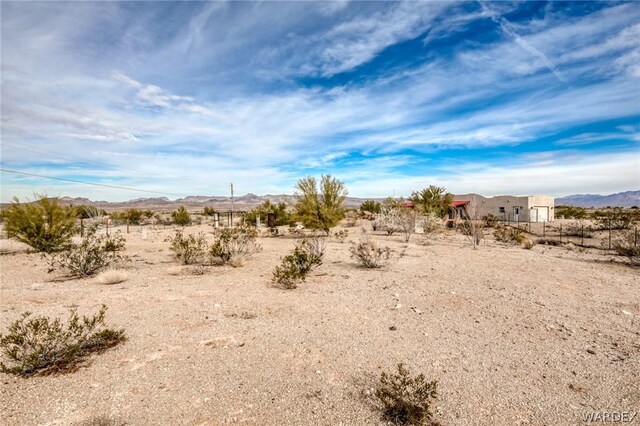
{"x":184,"y":98}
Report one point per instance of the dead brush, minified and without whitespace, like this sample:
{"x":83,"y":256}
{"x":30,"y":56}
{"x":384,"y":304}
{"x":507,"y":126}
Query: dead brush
{"x":112,"y":276}
{"x":368,"y":254}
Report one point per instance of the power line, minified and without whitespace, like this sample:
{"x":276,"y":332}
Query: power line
{"x":91,"y":183}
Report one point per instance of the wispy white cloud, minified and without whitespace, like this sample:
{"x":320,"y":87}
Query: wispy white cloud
{"x":216,"y":95}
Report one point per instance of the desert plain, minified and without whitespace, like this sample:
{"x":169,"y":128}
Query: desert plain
{"x":513,"y":336}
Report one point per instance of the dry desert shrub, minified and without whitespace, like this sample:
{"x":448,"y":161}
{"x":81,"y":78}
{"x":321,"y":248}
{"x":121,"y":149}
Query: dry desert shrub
{"x":306,"y":256}
{"x":627,"y":243}
{"x":368,"y":254}
{"x":112,"y":276}
{"x":507,"y":234}
{"x":239,"y":241}
{"x":404,"y":399}
{"x":236,"y":261}
{"x":175,"y":270}
{"x":430,"y":224}
{"x":189,"y":250}
{"x":93,"y":253}
{"x":42,"y":345}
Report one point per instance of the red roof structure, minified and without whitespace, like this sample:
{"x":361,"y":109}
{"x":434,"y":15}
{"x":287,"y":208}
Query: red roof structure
{"x":459,"y":203}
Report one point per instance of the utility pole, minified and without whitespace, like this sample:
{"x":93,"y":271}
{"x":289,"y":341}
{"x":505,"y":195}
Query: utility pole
{"x":232,"y":204}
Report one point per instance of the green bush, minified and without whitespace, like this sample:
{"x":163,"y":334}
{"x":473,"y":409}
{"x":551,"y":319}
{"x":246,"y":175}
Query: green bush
{"x":181,"y":216}
{"x":44,"y":224}
{"x":93,"y":253}
{"x":189,"y":250}
{"x":283,"y":216}
{"x":615,"y":218}
{"x":570,"y":212}
{"x":368,"y":254}
{"x":134,"y":216}
{"x":507,"y":234}
{"x":406,"y":400}
{"x":371,"y":206}
{"x":209,"y":211}
{"x":41,"y":345}
{"x":321,"y":209}
{"x":295,"y":267}
{"x":239,"y":241}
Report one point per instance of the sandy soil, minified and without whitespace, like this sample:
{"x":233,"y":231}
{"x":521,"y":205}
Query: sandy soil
{"x":513,"y":336}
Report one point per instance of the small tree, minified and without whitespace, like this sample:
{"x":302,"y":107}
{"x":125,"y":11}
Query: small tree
{"x":44,"y":224}
{"x":181,"y":216}
{"x":320,"y":209}
{"x":209,"y":211}
{"x":388,"y":220}
{"x":371,"y":206}
{"x":433,"y":199}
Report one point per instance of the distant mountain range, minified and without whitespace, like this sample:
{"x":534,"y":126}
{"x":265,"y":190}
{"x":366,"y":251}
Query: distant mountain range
{"x":621,"y":199}
{"x":241,"y":203}
{"x":249,"y":201}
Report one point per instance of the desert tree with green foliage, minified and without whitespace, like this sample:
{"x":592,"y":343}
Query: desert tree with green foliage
{"x":45,"y":225}
{"x":320,"y":208}
{"x":209,"y":211}
{"x":181,"y":216}
{"x":434,"y":199}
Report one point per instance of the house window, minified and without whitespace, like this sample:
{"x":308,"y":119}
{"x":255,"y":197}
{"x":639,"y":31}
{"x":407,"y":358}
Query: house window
{"x":501,"y":209}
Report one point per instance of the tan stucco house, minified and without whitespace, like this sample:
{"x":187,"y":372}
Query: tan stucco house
{"x":534,"y":208}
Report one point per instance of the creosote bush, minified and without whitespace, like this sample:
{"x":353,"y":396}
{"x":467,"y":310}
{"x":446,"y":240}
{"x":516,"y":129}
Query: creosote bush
{"x":44,"y":225}
{"x":93,"y":253}
{"x":189,"y":250}
{"x":507,"y":234}
{"x":405,"y":399}
{"x":627,"y":243}
{"x":35,"y":345}
{"x":181,"y":216}
{"x":368,"y":254}
{"x":306,"y":256}
{"x":239,"y":241}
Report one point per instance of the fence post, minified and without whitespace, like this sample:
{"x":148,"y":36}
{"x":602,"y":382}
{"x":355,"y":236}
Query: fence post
{"x":127,"y":225}
{"x":560,"y":232}
{"x":106,"y":221}
{"x":544,"y":223}
{"x":582,"y":234}
{"x":635,"y":236}
{"x":609,"y":233}
{"x":81,"y":227}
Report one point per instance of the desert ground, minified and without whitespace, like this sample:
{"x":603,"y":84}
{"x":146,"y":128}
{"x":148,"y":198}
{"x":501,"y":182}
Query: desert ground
{"x":513,"y":336}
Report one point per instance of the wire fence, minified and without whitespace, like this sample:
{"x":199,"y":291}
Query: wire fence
{"x":580,"y":233}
